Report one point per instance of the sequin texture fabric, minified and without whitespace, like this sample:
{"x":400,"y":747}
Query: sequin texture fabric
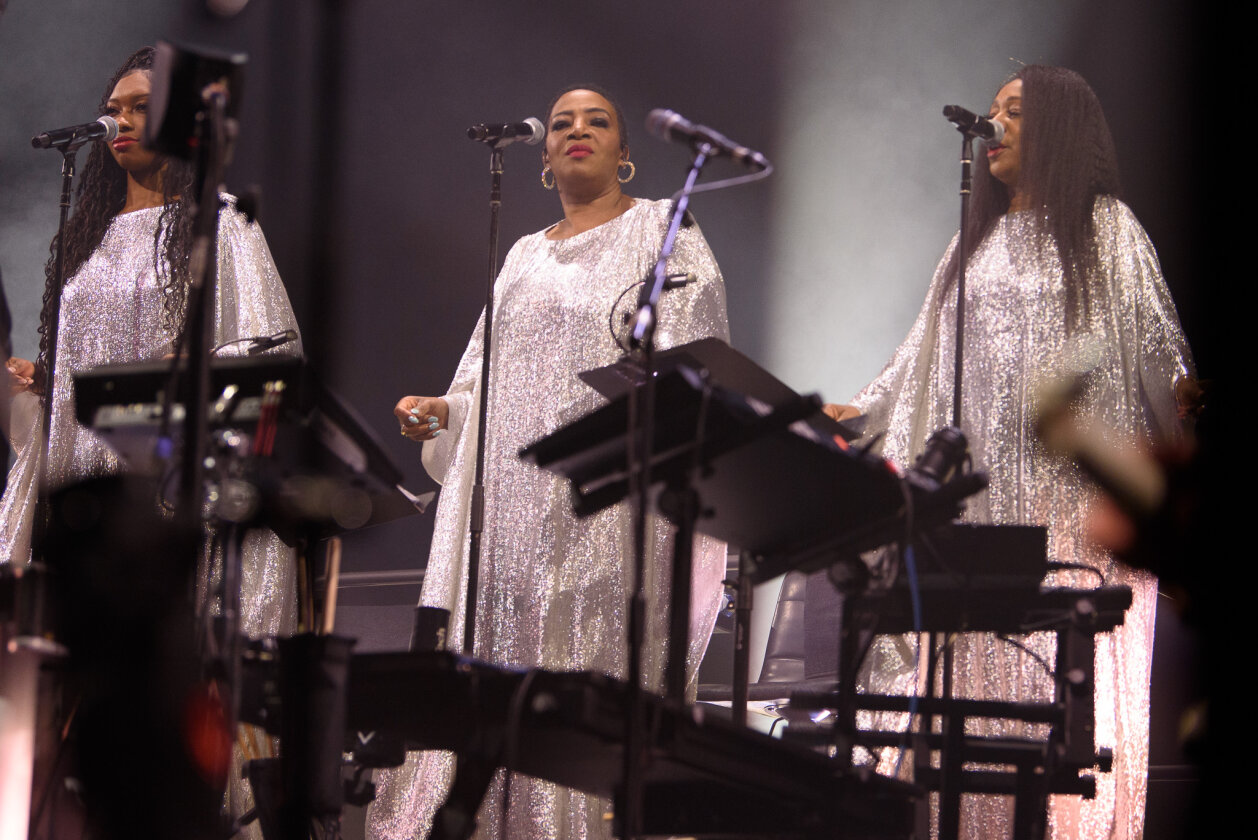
{"x":553,"y":588}
{"x":112,"y":312}
{"x":1130,"y":351}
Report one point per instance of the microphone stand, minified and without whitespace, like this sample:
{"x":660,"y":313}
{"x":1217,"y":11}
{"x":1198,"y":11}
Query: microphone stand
{"x":476,"y":524}
{"x":211,"y":157}
{"x":641,"y":434}
{"x":949,"y":796}
{"x":967,"y":160}
{"x":68,"y":154}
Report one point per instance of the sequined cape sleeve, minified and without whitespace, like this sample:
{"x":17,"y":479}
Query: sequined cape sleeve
{"x":251,"y":298}
{"x":1149,"y":342}
{"x":251,"y":301}
{"x":1134,"y":336}
{"x":891,"y":401}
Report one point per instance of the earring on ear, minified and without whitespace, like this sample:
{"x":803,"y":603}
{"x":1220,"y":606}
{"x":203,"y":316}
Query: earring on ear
{"x":633,"y":170}
{"x":546,"y":171}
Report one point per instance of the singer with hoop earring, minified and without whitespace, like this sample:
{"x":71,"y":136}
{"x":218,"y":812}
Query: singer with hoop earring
{"x":1062,"y":281}
{"x":554,"y":589}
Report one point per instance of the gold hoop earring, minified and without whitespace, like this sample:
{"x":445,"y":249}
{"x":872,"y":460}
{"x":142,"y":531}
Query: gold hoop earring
{"x":546,"y":171}
{"x":633,"y":170}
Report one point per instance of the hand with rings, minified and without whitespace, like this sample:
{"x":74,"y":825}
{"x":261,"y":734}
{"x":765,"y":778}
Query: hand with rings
{"x":21,"y":375}
{"x":422,"y":418}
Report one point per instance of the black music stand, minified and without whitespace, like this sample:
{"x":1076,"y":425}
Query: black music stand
{"x":326,"y":472}
{"x":1027,"y":769}
{"x":723,"y":428}
{"x":292,"y":457}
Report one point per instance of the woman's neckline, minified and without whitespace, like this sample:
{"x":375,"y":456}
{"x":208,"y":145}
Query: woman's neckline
{"x":546,"y":233}
{"x":121,"y":213}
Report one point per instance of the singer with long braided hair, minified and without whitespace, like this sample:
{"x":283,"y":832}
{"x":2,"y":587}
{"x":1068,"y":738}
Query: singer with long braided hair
{"x":1061,"y":281}
{"x":127,"y":247}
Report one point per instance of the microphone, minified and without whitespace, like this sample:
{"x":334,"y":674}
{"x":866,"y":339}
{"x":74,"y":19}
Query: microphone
{"x":76,"y":135}
{"x":672,"y":126}
{"x":974,"y":125}
{"x":266,"y":342}
{"x":531,"y":131}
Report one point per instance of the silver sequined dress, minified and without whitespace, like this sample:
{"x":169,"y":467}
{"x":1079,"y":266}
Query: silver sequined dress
{"x":112,"y":312}
{"x":1014,"y":339}
{"x":553,"y":588}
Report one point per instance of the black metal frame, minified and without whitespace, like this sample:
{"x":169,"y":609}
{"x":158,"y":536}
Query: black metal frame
{"x":942,"y":749}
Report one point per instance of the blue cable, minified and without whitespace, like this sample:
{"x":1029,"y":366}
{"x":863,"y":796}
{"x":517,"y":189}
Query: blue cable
{"x":915,"y":599}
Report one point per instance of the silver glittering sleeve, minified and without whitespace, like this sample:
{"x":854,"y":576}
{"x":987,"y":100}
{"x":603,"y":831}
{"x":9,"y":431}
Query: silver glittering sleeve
{"x":112,"y":312}
{"x":251,"y":300}
{"x":1129,"y":352}
{"x":1133,"y":348}
{"x":553,"y":588}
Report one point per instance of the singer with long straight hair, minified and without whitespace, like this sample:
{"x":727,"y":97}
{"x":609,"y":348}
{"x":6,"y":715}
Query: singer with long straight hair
{"x":554,"y":589}
{"x":127,"y":248}
{"x":1061,"y":281}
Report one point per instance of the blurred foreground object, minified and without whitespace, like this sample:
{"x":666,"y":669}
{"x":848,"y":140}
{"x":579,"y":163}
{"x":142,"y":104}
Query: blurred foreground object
{"x":1161,"y":504}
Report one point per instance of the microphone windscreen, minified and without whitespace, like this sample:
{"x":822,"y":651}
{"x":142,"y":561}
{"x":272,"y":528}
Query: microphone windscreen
{"x":661,"y":121}
{"x":111,"y":128}
{"x":539,"y":131}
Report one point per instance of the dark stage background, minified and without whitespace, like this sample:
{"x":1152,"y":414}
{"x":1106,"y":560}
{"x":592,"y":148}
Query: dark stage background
{"x":386,"y":301}
{"x":375,"y":204}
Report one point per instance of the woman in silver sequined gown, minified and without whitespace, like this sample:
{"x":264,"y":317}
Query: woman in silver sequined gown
{"x":554,"y":589}
{"x":1062,"y":281}
{"x":123,"y":301}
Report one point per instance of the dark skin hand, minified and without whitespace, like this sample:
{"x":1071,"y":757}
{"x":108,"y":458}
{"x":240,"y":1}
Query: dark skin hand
{"x":415,"y":415}
{"x":1190,"y":396}
{"x":21,"y":375}
{"x":840,"y":412}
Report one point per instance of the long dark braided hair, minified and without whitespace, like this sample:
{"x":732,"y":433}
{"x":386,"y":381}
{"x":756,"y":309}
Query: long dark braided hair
{"x":101,"y":195}
{"x":1067,"y":161}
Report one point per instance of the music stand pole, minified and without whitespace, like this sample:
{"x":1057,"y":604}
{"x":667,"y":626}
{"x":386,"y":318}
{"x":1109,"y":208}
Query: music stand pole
{"x":641,"y":435}
{"x":745,"y":594}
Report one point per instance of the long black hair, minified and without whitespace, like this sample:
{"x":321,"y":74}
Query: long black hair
{"x":1066,"y":161}
{"x":101,"y":195}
